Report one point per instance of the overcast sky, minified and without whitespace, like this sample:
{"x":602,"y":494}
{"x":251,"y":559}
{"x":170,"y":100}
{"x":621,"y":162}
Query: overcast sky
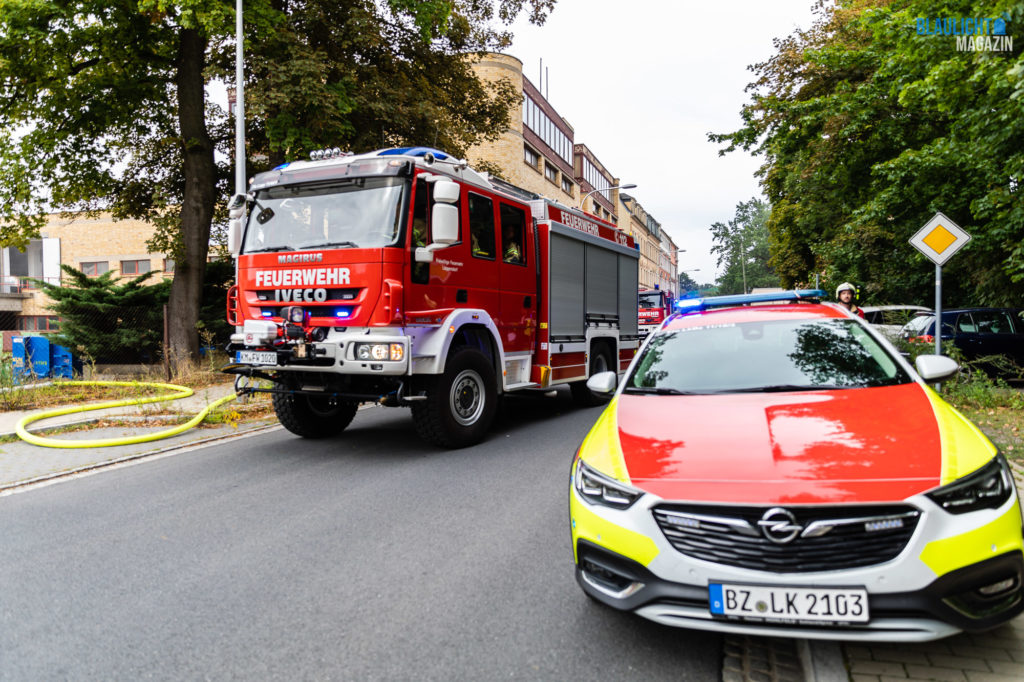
{"x":643,"y":82}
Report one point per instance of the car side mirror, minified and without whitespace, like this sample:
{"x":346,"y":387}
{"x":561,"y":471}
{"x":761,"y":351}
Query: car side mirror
{"x":603,"y":382}
{"x":935,"y":368}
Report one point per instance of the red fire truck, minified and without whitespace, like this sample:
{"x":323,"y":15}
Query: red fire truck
{"x":404,"y":277}
{"x":654,"y":306}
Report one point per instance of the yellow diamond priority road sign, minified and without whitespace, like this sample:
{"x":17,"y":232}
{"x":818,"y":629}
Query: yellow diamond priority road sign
{"x":939,"y":239}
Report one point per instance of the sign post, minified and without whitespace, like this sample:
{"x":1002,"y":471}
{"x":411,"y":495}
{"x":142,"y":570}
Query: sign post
{"x":939,"y":239}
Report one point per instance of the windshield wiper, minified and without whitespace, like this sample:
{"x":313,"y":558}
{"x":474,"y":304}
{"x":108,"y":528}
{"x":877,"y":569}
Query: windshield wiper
{"x":660,"y":391}
{"x":326,"y":245}
{"x":269,"y":249}
{"x":783,"y":388}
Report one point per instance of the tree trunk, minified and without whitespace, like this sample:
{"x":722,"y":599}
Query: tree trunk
{"x":198,"y":199}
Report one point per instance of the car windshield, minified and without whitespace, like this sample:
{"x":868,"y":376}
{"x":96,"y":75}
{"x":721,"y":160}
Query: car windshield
{"x":356,"y":213}
{"x":781,"y":355}
{"x":650,"y":300}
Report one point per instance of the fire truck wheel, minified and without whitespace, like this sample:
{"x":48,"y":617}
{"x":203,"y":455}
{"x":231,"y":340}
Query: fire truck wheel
{"x":461,"y":404}
{"x":599,"y":362}
{"x":313,"y":416}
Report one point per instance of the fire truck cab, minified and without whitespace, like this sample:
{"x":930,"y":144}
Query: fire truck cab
{"x":404,"y":277}
{"x":654,"y":306}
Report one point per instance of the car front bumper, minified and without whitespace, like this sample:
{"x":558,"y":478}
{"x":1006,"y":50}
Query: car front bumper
{"x":929,"y":591}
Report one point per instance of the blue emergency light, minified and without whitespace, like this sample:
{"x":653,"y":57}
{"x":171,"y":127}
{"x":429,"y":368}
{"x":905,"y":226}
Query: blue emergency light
{"x":692,"y":305}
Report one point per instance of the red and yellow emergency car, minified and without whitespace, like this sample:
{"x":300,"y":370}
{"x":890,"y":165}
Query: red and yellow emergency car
{"x":771,"y":465}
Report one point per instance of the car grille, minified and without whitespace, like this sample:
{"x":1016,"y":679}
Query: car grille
{"x":829,"y":538}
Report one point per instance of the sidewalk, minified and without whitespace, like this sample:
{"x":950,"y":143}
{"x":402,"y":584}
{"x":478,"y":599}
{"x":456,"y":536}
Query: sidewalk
{"x":22,"y":463}
{"x":993,"y":656}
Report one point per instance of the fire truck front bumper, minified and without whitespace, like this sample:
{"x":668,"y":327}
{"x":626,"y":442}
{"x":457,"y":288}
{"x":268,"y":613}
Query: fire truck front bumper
{"x":339,"y":353}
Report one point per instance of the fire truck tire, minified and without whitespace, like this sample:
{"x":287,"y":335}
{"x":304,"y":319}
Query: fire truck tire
{"x":313,"y":416}
{"x":461,"y":404}
{"x":600,"y":361}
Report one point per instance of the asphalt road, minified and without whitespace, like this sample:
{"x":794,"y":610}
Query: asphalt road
{"x":370,"y":556}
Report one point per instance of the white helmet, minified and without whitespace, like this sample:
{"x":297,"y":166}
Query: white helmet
{"x":846,"y":286}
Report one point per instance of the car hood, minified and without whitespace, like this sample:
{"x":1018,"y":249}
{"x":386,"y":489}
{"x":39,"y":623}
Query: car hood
{"x":855,"y":445}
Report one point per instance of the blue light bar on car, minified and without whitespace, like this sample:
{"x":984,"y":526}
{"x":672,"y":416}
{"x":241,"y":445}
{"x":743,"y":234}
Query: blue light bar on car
{"x":691,"y":305}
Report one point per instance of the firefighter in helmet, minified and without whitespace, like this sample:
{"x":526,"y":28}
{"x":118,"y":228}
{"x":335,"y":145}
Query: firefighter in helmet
{"x":846,"y":294}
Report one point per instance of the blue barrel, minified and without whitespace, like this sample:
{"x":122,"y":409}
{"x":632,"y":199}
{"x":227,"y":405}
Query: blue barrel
{"x":61,"y":362}
{"x":37,"y":355}
{"x":18,"y":357}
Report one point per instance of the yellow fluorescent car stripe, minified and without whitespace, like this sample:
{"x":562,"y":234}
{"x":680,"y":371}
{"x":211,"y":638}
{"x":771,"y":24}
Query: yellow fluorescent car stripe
{"x":992,"y":539}
{"x":601,"y":448}
{"x":589,"y":526}
{"x":964,"y":447}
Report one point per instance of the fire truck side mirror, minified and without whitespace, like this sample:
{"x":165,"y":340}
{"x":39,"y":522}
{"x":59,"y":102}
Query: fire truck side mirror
{"x":445,"y":224}
{"x":234,"y":235}
{"x":446,"y":192}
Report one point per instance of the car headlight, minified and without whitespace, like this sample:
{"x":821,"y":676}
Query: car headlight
{"x":380,"y":351}
{"x":597,"y":488}
{"x":987,"y":488}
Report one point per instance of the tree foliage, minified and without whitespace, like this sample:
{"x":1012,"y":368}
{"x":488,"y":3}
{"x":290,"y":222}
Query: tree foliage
{"x":102,"y":104}
{"x":742,"y":248}
{"x":869,"y":128}
{"x":109,"y":320}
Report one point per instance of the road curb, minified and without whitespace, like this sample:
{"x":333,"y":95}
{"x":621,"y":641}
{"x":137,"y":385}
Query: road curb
{"x":46,"y":479}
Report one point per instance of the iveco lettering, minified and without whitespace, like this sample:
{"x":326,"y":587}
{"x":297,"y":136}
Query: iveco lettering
{"x":771,"y":465}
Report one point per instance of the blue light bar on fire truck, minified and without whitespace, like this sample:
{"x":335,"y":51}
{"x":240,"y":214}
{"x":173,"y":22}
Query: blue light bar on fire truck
{"x":693,"y":305}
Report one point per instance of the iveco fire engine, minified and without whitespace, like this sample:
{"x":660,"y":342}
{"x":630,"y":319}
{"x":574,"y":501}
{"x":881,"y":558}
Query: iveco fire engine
{"x":403,"y":277}
{"x":654,"y":306}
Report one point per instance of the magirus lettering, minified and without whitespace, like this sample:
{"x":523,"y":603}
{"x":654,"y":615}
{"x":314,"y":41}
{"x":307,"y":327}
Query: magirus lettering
{"x":300,"y":258}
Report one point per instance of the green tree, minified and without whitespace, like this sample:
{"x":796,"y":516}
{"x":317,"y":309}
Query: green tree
{"x":868,"y":129}
{"x":742,"y":248}
{"x":102,"y":104}
{"x":113,"y":321}
{"x":687,"y":283}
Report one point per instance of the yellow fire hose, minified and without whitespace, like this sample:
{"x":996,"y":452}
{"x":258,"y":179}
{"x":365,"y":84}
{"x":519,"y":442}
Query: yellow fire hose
{"x":179,"y":392}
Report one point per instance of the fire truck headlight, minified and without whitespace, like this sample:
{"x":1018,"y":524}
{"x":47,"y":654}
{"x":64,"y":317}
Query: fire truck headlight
{"x":294,"y":314}
{"x":380,"y":351}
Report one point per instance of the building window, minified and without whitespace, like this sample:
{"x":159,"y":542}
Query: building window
{"x":536,"y":120}
{"x":551,"y":173}
{"x":38,"y":323}
{"x":531,"y":157}
{"x":169,"y":265}
{"x":567,"y":185}
{"x":134,"y":267}
{"x":597,"y":180}
{"x":94,"y":268}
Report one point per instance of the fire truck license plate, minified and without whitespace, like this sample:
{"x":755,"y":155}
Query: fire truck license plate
{"x":790,"y":603}
{"x":256,"y":357}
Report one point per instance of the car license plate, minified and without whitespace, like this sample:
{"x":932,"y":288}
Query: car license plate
{"x":823,"y":605}
{"x":256,"y":357}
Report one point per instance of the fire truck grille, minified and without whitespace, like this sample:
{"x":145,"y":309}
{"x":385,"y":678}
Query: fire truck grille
{"x":812,"y":539}
{"x":333,"y":295}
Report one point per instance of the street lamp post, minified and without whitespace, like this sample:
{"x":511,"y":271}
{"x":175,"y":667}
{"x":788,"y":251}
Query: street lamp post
{"x":603,"y":189}
{"x":239,"y":103}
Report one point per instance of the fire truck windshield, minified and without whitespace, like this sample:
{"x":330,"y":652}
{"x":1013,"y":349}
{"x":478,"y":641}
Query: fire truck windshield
{"x":651,"y":299}
{"x":356,"y":213}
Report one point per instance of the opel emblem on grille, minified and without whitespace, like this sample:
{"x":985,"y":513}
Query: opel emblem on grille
{"x":779,"y":525}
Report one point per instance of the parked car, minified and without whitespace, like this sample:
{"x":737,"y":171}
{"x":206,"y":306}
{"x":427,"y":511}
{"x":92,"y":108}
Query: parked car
{"x":890,"y":319}
{"x":778,"y":470}
{"x":977,"y":332}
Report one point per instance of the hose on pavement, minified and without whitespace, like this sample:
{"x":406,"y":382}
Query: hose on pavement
{"x":178,"y":392}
